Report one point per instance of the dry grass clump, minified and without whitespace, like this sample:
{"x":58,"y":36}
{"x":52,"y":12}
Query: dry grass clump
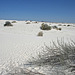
{"x":60,"y":54}
{"x":14,"y":22}
{"x":7,"y":23}
{"x":40,"y":33}
{"x":45,"y":27}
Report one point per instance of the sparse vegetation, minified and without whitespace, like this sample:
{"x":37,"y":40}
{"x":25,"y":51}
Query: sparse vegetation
{"x":13,"y":21}
{"x":60,"y":54}
{"x":40,"y":33}
{"x":64,"y":25}
{"x":54,"y":27}
{"x":8,"y":24}
{"x":59,"y":29}
{"x":35,"y":22}
{"x":28,"y":23}
{"x":68,"y":25}
{"x":60,"y":25}
{"x":45,"y":27}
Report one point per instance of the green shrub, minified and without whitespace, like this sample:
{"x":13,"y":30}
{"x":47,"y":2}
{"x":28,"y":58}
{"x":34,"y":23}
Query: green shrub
{"x":45,"y":27}
{"x":8,"y":24}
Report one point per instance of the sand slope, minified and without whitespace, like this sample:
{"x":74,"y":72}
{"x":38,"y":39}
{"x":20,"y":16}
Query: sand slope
{"x":20,"y":42}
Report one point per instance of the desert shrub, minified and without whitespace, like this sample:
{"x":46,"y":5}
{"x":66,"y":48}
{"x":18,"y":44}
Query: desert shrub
{"x":13,"y":21}
{"x":8,"y":24}
{"x":28,"y":23}
{"x":35,"y":22}
{"x":54,"y":27}
{"x":40,"y":33}
{"x":60,"y":54}
{"x":59,"y":29}
{"x":68,"y":25}
{"x":45,"y":27}
{"x":64,"y":25}
{"x":59,"y":25}
{"x":42,"y":24}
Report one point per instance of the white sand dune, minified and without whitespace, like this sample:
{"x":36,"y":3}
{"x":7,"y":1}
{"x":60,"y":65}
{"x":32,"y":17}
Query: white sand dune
{"x":20,"y":42}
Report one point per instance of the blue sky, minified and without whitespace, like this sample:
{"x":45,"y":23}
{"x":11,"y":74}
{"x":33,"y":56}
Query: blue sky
{"x":41,"y":10}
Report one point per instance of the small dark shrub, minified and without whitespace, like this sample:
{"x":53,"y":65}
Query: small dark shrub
{"x":45,"y":27}
{"x":60,"y":55}
{"x":40,"y":33}
{"x":54,"y":27}
{"x":64,"y":25}
{"x":59,"y":28}
{"x":68,"y":25}
{"x":13,"y":21}
{"x":59,"y":25}
{"x":28,"y":23}
{"x":8,"y":24}
{"x":35,"y":22}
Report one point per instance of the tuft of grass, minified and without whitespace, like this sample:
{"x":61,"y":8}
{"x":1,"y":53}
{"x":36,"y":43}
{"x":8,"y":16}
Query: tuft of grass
{"x":60,"y":54}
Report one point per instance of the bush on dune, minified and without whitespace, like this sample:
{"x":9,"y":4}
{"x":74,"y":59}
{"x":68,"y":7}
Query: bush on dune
{"x":8,"y":24}
{"x":59,"y":24}
{"x":54,"y":27}
{"x":13,"y":21}
{"x":60,"y":54}
{"x":64,"y":25}
{"x":58,"y":29}
{"x":28,"y":23}
{"x":35,"y":22}
{"x":40,"y":33}
{"x":68,"y":25}
{"x":45,"y":27}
